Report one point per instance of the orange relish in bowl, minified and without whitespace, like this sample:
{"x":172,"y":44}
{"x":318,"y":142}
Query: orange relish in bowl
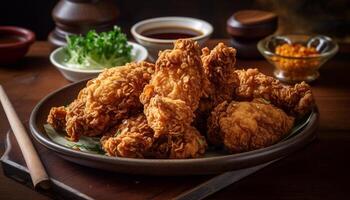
{"x":295,"y":50}
{"x":297,"y":60}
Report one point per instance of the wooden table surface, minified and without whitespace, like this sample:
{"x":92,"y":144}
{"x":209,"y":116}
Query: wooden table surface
{"x":319,"y":171}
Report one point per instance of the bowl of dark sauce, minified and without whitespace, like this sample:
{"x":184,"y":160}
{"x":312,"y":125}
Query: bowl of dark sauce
{"x":160,"y":33}
{"x":14,"y":43}
{"x":171,"y":33}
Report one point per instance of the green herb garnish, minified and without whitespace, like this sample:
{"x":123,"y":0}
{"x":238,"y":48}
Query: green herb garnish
{"x":96,"y":148}
{"x":262,"y":100}
{"x":117,"y":133}
{"x":98,"y":50}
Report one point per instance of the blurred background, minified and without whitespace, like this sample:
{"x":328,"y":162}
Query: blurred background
{"x":296,"y":16}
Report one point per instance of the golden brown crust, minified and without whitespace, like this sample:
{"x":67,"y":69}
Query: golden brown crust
{"x":107,"y":99}
{"x":189,"y":144}
{"x":171,"y":98}
{"x":296,"y":100}
{"x":133,"y":138}
{"x":147,"y":111}
{"x":57,"y":118}
{"x":245,"y":126}
{"x":219,"y":69}
{"x":218,"y":65}
{"x":175,"y":88}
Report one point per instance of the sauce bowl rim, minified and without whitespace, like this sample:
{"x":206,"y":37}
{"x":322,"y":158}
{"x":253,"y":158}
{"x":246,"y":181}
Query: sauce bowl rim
{"x":27,"y":36}
{"x":134,"y":30}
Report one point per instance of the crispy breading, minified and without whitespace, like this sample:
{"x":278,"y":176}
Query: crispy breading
{"x":245,"y":126}
{"x":189,"y":144}
{"x":296,"y":100}
{"x":133,"y":138}
{"x":219,"y":67}
{"x":174,"y":91}
{"x":57,"y":118}
{"x":107,"y":99}
{"x":148,"y":111}
{"x":168,"y":115}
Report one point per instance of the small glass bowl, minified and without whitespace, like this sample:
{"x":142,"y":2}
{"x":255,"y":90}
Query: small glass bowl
{"x":296,"y":69}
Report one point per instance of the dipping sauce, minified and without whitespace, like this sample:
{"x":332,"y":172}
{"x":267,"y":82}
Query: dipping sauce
{"x":171,"y":33}
{"x":8,"y":39}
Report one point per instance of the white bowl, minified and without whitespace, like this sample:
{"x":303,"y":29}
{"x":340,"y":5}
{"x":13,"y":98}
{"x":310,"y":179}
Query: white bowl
{"x":155,"y":45}
{"x":57,"y":57}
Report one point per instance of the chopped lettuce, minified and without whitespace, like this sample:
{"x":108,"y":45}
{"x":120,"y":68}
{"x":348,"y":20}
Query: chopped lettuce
{"x":98,"y":50}
{"x":85,"y":144}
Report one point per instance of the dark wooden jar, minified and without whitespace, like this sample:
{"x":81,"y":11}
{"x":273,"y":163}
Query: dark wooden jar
{"x":80,"y":16}
{"x":247,"y":27}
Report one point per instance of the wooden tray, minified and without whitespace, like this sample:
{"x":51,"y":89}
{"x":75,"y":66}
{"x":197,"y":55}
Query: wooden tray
{"x":72,"y":181}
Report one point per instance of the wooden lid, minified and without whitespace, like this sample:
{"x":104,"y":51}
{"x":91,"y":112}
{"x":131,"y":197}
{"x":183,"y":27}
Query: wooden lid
{"x":252,"y":23}
{"x":81,"y":16}
{"x":254,"y":17}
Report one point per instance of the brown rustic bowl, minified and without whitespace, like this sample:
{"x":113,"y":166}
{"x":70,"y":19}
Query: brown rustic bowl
{"x":13,"y":51}
{"x":213,"y":162}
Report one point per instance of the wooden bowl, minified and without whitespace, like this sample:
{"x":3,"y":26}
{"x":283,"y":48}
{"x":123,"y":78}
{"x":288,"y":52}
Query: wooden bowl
{"x":14,"y":43}
{"x":213,"y":162}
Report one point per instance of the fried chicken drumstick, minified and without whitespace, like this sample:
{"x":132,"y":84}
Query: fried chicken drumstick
{"x":104,"y":102}
{"x":245,"y":126}
{"x":219,"y":69}
{"x":218,"y":65}
{"x":174,"y":91}
{"x":296,"y":100}
{"x":171,"y":98}
{"x":133,"y":138}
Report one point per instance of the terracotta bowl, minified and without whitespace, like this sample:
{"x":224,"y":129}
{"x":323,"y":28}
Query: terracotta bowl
{"x":14,"y":43}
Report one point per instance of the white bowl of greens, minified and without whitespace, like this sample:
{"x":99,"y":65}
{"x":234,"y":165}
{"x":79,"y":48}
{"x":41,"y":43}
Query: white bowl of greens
{"x":87,"y":56}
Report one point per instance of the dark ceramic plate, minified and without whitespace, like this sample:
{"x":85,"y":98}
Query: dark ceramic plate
{"x":213,"y":162}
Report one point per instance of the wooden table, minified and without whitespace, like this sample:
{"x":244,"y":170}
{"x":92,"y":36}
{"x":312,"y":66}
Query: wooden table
{"x":318,"y":171}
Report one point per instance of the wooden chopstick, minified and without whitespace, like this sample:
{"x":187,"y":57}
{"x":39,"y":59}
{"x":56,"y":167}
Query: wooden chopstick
{"x":37,"y":171}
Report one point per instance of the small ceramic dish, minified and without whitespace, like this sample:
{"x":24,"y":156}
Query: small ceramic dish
{"x":296,"y":69}
{"x":14,"y":43}
{"x":57,"y":57}
{"x":154,"y":45}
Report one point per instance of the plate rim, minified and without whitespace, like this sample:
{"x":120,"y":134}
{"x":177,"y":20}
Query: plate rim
{"x":265,"y":154}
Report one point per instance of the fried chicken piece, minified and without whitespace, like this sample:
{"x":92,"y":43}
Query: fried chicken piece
{"x":133,"y":138}
{"x":106,"y":100}
{"x":296,"y":100}
{"x":219,"y":70}
{"x":169,"y":102}
{"x":245,"y":126}
{"x":57,"y":117}
{"x":168,"y":116}
{"x":189,"y":144}
{"x":174,"y":91}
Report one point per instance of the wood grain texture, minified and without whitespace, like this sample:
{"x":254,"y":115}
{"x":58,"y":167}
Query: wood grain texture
{"x":320,"y":170}
{"x":36,"y":169}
